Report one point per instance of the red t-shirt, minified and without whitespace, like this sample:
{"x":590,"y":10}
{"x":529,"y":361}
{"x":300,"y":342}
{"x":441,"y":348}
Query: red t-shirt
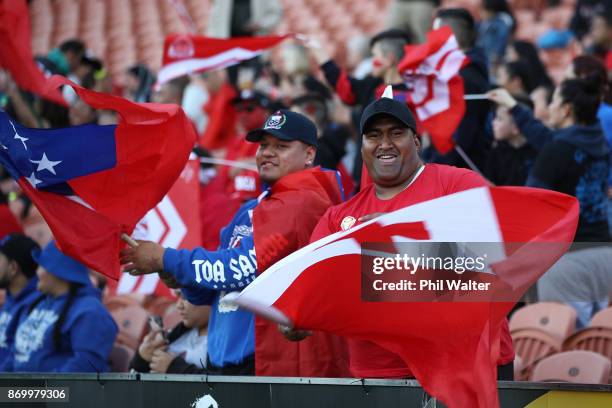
{"x":368,"y":360}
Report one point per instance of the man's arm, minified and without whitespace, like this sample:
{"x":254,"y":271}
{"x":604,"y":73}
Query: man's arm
{"x":536,"y":132}
{"x":351,"y":91}
{"x":225,"y":269}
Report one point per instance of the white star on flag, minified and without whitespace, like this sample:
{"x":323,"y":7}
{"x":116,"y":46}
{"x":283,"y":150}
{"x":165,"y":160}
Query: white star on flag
{"x":20,"y":138}
{"x":33,"y":180}
{"x":45,"y":164}
{"x":3,"y":146}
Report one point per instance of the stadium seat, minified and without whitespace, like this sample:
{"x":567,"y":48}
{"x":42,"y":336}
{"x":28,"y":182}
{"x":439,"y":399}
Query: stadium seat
{"x":556,"y":319}
{"x":596,"y":339}
{"x":132,"y":323}
{"x":573,"y":366}
{"x":157,"y":305}
{"x":603,"y":318}
{"x":532,"y":345}
{"x":171,"y":318}
{"x":119,"y":358}
{"x":122,"y":301}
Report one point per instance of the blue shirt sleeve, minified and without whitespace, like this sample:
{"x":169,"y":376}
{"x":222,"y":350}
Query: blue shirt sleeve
{"x":536,"y":132}
{"x":224,"y":269}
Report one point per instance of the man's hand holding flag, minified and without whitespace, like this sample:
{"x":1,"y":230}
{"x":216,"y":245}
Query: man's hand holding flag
{"x":92,"y":183}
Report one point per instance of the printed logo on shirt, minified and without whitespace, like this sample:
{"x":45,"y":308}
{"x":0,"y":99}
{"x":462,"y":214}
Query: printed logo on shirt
{"x":31,"y":333}
{"x":5,"y":318}
{"x":241,"y":265}
{"x":347,"y":222}
{"x":239,"y":232}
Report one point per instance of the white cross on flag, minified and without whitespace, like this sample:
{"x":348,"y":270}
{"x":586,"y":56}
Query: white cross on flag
{"x":451,"y":347}
{"x":431,"y":72}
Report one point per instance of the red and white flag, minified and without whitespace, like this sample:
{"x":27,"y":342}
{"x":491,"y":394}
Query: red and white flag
{"x":431,"y":72}
{"x":16,"y":50}
{"x":451,"y":347}
{"x":186,"y":54}
{"x":173,"y":223}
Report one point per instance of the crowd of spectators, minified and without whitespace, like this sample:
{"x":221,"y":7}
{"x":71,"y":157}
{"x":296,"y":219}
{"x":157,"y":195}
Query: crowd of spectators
{"x":529,"y":130}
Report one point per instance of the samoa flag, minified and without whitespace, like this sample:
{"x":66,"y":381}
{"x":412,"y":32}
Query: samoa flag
{"x":92,"y":183}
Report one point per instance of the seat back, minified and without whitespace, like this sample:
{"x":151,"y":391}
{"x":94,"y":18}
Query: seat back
{"x":132,"y":323}
{"x":573,"y":366}
{"x":595,"y":339}
{"x":603,"y":318}
{"x":171,"y":317}
{"x":532,"y":345}
{"x":556,"y":319}
{"x":120,"y":357}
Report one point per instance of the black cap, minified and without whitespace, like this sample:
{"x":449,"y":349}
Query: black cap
{"x":19,"y":248}
{"x":391,"y":107}
{"x":286,"y":125}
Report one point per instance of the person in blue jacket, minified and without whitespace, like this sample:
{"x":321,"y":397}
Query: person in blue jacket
{"x":287,"y":144}
{"x":574,"y":158}
{"x":66,"y":328}
{"x":18,"y":277}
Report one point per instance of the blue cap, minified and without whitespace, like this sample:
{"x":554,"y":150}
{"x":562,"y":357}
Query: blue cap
{"x":60,"y":265}
{"x":286,"y":125}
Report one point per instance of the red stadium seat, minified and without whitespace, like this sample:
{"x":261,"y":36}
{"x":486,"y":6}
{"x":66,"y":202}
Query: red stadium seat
{"x":132,"y":322}
{"x":556,"y":319}
{"x":122,"y":301}
{"x":120,"y":357}
{"x":603,"y":318}
{"x":596,"y":339}
{"x":171,"y":318}
{"x":532,"y":345}
{"x":573,"y":366}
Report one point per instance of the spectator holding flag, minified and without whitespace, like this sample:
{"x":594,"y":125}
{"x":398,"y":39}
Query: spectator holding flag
{"x":18,"y":277}
{"x":263,"y":231}
{"x":470,"y":134}
{"x":65,"y":328}
{"x":574,"y":159}
{"x":387,"y":51}
{"x":390,"y":152}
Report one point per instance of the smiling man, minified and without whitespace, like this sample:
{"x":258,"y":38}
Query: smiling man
{"x":390,"y":151}
{"x":279,"y":222}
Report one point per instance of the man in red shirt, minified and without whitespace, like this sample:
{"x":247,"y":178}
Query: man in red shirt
{"x":390,"y":152}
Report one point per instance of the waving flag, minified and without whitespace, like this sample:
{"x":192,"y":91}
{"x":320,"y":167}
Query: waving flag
{"x":186,"y":54}
{"x":16,"y":50}
{"x":451,"y":347}
{"x":173,"y":223}
{"x":91,"y":183}
{"x":431,"y":72}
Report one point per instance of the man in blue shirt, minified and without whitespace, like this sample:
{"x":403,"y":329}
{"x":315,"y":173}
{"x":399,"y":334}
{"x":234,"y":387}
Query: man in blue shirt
{"x":18,"y":277}
{"x":287,"y":144}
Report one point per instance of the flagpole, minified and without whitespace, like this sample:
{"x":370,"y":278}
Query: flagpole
{"x":230,"y":163}
{"x":184,"y":16}
{"x":469,"y":161}
{"x":475,"y":97}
